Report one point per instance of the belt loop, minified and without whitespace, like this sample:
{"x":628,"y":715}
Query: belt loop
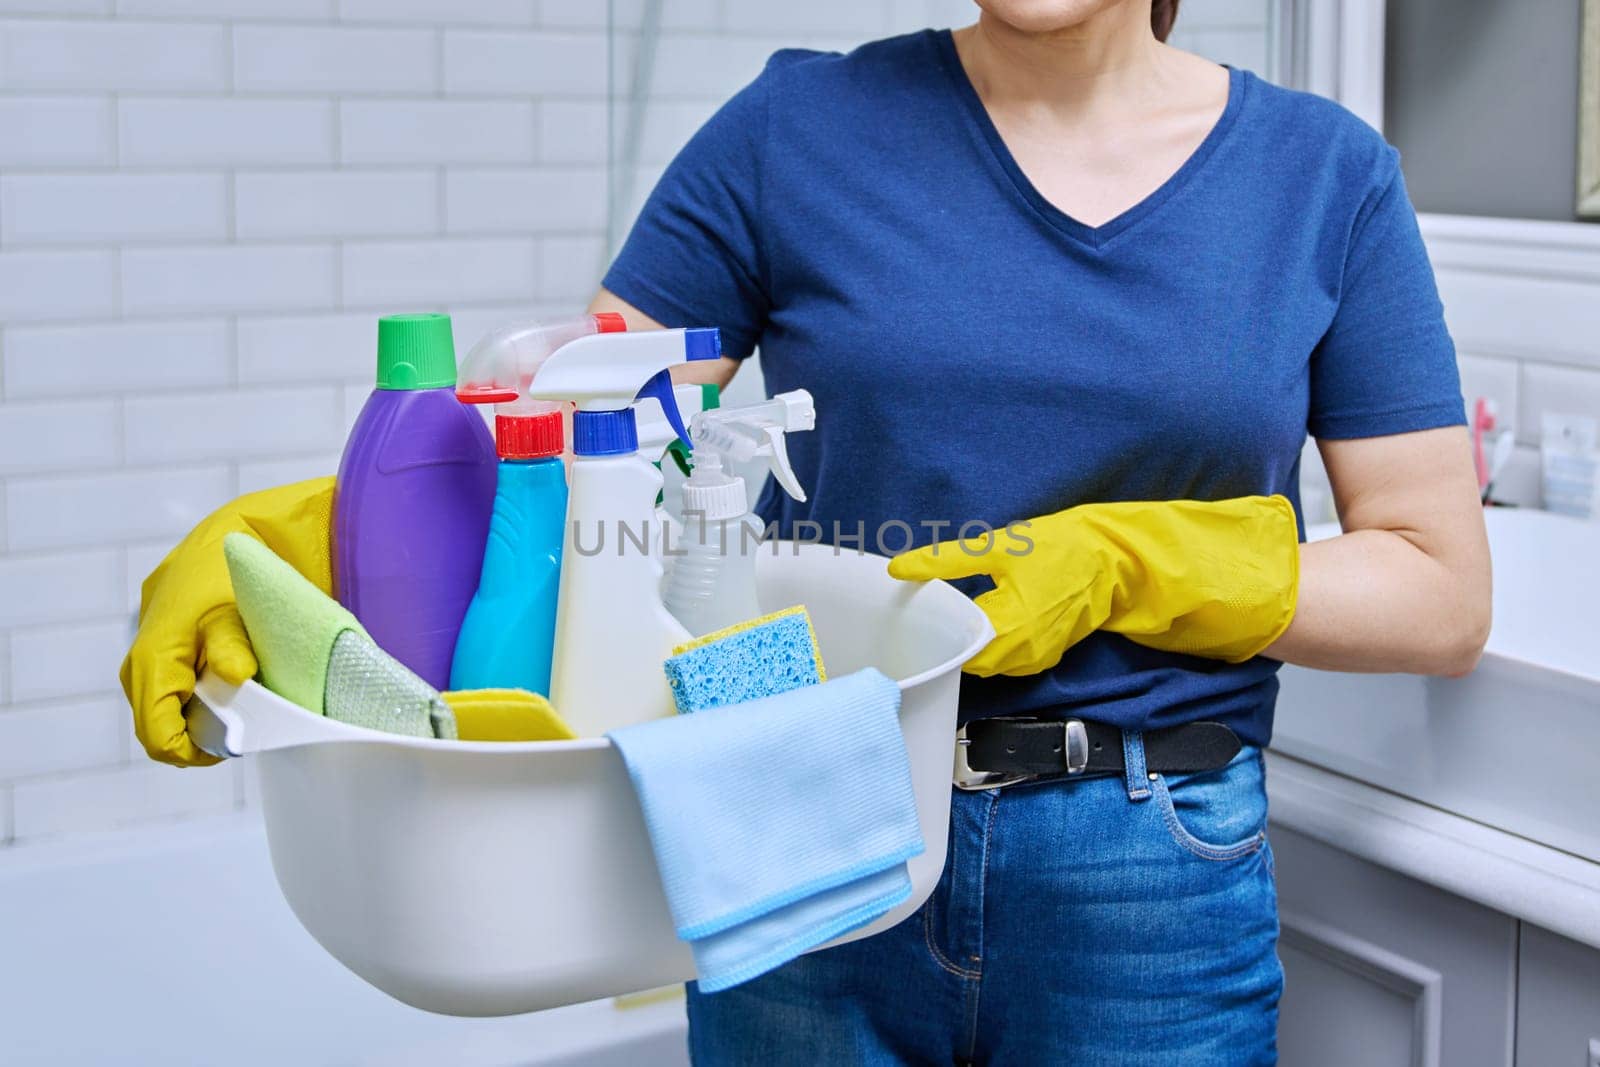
{"x":1138,"y":781}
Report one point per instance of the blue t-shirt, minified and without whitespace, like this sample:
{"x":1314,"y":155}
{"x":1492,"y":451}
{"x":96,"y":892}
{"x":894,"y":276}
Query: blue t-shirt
{"x":976,"y":354}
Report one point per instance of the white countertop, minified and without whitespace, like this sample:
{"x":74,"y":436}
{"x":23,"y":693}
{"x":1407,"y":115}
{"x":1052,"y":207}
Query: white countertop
{"x":1546,"y":590}
{"x":1510,"y":874}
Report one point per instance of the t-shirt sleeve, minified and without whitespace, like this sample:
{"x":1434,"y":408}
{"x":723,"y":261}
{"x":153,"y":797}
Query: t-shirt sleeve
{"x":1386,"y":364}
{"x":694,"y":255}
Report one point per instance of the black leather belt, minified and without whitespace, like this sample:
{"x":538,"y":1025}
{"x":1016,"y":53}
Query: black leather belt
{"x":1002,"y":751}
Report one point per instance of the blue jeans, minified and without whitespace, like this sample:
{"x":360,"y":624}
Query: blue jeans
{"x":1111,"y":921}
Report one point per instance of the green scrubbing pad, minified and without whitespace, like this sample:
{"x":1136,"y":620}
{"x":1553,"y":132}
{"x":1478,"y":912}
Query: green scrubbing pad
{"x":314,"y":652}
{"x":762,"y":657}
{"x":368,"y":687}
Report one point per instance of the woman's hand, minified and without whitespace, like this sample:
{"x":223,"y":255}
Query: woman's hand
{"x":187,"y":617}
{"x":1216,"y":579}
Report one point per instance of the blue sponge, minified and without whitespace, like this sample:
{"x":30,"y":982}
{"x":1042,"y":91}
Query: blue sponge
{"x":748,"y":660}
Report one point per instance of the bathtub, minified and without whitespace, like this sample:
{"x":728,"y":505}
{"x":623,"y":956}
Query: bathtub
{"x":172,"y":945}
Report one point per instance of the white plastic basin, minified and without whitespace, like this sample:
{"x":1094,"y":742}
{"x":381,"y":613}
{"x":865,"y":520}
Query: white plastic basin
{"x":476,"y":878}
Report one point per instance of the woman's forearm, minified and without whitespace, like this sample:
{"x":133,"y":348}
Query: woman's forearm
{"x":1406,"y":587}
{"x":1374,"y":600}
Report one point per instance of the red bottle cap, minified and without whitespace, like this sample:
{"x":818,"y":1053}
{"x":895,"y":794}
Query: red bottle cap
{"x":609,"y":322}
{"x":528,"y":436}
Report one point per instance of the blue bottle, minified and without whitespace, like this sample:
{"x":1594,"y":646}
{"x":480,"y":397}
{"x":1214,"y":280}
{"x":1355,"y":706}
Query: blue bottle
{"x":509,"y":630}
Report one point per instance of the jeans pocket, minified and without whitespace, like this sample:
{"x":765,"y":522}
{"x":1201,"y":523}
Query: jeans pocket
{"x":1218,"y":815}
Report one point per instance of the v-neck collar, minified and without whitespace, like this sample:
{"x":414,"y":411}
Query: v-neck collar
{"x":1093,"y":236}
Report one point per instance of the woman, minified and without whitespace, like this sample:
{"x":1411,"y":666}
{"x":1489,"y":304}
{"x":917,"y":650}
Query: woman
{"x":1048,"y":269}
{"x":1048,"y":261}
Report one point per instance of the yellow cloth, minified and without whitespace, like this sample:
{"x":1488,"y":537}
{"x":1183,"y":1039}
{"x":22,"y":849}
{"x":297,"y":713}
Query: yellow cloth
{"x":1215,"y":579}
{"x":188,"y":619}
{"x":506,"y":715}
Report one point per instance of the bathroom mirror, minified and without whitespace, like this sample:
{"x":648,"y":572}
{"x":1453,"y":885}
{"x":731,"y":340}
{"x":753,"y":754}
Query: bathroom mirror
{"x":1589,"y":114}
{"x":1483,"y":100}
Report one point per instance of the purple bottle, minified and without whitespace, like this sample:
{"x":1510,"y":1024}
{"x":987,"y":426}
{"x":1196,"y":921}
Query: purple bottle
{"x":413,"y":499}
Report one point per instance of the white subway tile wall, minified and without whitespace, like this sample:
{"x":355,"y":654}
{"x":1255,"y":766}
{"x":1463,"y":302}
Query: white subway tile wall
{"x":113,"y":55}
{"x":333,"y":204}
{"x":204,"y":204}
{"x":102,"y":359}
{"x":93,"y":209}
{"x":223,"y":131}
{"x":60,"y":586}
{"x":56,"y":131}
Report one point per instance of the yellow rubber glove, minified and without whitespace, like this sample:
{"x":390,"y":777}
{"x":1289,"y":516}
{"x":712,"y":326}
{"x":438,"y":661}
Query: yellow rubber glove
{"x":506,"y":715}
{"x":187,"y":617}
{"x":1215,"y":579}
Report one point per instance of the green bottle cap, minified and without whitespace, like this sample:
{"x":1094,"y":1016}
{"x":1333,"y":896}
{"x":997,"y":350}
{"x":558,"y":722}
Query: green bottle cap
{"x":416,"y":352}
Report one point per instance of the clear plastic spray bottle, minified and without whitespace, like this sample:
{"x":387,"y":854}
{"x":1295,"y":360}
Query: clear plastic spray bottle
{"x":711,"y":580}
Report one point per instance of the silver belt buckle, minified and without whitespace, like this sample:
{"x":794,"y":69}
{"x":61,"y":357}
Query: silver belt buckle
{"x":1074,"y":752}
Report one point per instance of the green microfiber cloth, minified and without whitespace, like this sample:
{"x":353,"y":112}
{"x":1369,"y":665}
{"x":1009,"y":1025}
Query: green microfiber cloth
{"x":314,"y":652}
{"x":761,"y":657}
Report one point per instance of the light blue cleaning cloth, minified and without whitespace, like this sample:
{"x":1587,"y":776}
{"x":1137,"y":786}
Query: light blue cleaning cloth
{"x":778,"y":824}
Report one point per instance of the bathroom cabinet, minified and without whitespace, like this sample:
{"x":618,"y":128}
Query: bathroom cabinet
{"x":1413,"y":936}
{"x":1381,"y":969}
{"x":1558,"y":1001}
{"x":1438,"y":840}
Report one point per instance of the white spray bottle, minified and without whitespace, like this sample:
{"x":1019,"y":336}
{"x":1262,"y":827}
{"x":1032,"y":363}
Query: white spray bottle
{"x":712,"y":580}
{"x":612,"y":631}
